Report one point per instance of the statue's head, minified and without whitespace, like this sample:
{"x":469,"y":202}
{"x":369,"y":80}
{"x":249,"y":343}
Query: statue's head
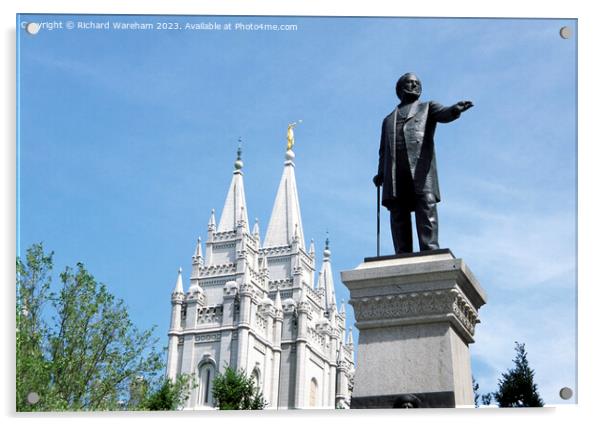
{"x":408,"y":87}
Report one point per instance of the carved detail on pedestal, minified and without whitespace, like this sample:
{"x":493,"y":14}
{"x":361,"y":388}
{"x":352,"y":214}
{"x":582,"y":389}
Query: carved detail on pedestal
{"x":465,"y":313}
{"x":409,"y":305}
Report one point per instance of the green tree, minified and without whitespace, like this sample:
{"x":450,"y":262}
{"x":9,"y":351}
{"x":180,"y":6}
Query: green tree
{"x":170,"y":395}
{"x":516,"y":388}
{"x":233,"y":390}
{"x":85,"y":354}
{"x":486,"y":398}
{"x":32,"y":367}
{"x":476,"y":394}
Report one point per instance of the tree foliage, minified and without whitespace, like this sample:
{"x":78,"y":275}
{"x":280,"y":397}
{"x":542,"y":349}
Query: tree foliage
{"x":85,"y":354}
{"x":170,"y":395}
{"x":475,"y":392}
{"x":516,"y":388}
{"x":32,"y":366}
{"x":486,"y":398}
{"x":233,"y":390}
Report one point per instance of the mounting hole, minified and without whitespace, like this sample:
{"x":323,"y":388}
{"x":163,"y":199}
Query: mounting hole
{"x":566,"y":393}
{"x":33,"y":398}
{"x":32,"y":28}
{"x":565,"y":32}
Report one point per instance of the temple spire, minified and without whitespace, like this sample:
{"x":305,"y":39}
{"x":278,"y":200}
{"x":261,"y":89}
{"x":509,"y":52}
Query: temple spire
{"x":234,"y":211}
{"x":327,"y":280}
{"x":198,"y":252}
{"x":211,"y":224}
{"x":340,"y":353}
{"x":278,"y":301}
{"x":285,"y":222}
{"x":179,"y":288}
{"x":350,"y":337}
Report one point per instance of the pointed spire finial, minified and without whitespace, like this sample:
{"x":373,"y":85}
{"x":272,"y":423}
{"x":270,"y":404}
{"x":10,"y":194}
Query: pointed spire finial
{"x":312,"y":248}
{"x":211,"y":224}
{"x":330,"y":303}
{"x":350,"y":336}
{"x":342,"y":311}
{"x":179,"y":288}
{"x":327,"y":248}
{"x":256,"y":227}
{"x":278,"y":301}
{"x":238,"y":163}
{"x":232,"y":214}
{"x":198,"y":252}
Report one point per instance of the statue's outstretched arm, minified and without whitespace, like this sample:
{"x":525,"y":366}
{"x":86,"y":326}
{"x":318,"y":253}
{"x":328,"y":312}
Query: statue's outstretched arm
{"x":442,"y":114}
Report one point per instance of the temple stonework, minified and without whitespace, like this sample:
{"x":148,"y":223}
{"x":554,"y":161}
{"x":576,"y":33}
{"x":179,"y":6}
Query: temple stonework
{"x":254,"y":304}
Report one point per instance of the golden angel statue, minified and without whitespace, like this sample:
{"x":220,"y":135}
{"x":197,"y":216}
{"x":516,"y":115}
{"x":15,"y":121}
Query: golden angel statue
{"x":290,"y":135}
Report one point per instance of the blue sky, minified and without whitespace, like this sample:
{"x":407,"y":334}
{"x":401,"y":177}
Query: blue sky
{"x":127,"y":140}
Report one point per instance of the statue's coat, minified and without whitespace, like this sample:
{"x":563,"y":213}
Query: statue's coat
{"x":419,"y":132}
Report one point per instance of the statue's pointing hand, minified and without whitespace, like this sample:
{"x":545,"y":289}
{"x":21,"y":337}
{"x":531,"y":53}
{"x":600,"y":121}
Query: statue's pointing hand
{"x":463,"y":106}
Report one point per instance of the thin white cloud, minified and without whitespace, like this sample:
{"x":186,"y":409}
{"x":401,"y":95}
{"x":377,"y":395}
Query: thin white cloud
{"x":520,"y":244}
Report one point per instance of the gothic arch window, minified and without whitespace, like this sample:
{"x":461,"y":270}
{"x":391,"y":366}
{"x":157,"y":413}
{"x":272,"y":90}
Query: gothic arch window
{"x":206,"y":376}
{"x":256,"y":375}
{"x":313,"y":393}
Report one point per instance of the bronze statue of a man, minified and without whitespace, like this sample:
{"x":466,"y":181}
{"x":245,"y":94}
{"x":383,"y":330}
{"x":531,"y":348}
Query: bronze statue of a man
{"x":407,"y":169}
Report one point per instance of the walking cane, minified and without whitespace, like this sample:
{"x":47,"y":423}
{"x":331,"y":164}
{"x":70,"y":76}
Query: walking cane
{"x":378,"y":221}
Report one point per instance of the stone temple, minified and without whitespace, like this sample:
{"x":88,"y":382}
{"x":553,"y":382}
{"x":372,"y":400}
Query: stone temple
{"x":254,"y":304}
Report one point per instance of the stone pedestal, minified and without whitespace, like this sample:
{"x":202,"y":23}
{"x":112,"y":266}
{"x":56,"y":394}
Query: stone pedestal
{"x":416,"y":316}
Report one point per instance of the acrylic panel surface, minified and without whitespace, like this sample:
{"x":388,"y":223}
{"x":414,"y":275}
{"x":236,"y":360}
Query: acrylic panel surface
{"x":128,"y":128}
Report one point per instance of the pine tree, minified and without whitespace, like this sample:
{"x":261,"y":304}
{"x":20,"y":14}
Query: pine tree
{"x":475,"y":392}
{"x":486,"y":398}
{"x":516,"y":388}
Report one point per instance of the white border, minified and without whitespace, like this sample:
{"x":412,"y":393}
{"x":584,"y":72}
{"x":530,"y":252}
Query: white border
{"x":589,"y":216}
